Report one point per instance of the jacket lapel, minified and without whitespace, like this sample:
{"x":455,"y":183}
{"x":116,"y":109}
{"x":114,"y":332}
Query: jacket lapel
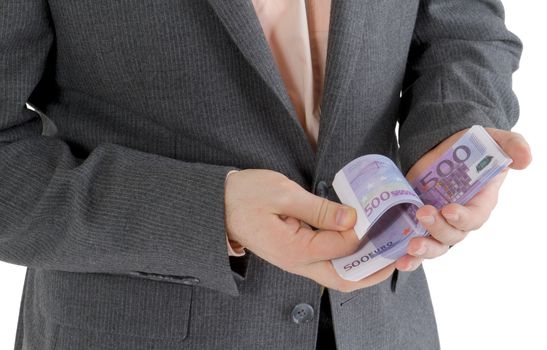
{"x":240,"y":20}
{"x":346,"y":33}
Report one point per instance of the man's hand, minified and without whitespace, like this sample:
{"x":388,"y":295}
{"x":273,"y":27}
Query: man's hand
{"x":453,"y":222}
{"x":269,"y":214}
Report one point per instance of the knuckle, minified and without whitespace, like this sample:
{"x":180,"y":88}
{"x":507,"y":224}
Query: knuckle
{"x":284,"y":195}
{"x":453,"y":241}
{"x":286,"y":184}
{"x":457,"y":237}
{"x":416,"y":243}
{"x":461,"y":234}
{"x":437,"y":234}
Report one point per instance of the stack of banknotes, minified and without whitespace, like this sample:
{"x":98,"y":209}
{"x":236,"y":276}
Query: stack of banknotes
{"x":386,"y":203}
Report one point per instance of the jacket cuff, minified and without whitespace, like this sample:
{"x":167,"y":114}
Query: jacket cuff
{"x":417,"y":140}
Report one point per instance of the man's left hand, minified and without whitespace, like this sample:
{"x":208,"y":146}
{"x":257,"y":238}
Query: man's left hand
{"x":452,"y":223}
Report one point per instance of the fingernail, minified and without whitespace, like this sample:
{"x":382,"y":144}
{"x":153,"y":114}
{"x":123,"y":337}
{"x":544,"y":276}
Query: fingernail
{"x":421,"y":251}
{"x":343,"y":216}
{"x":452,"y":217}
{"x":427,"y":220}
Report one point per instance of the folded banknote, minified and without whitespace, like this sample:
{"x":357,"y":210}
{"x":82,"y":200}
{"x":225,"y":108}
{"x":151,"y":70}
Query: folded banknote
{"x":386,"y":203}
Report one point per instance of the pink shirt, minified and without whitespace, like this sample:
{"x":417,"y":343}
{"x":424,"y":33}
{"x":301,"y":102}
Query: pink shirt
{"x":297,"y":32}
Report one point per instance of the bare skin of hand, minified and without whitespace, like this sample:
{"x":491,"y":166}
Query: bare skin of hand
{"x":452,"y":223}
{"x":269,"y":214}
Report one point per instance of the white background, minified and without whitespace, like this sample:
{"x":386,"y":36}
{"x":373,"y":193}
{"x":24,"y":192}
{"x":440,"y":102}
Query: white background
{"x":490,"y":291}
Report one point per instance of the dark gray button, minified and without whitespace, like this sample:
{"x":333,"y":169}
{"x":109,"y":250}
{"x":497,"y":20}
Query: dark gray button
{"x":322,"y":189}
{"x":302,"y":313}
{"x":189,"y":280}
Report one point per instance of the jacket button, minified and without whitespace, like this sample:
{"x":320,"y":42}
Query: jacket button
{"x":322,"y":189}
{"x":189,"y":280}
{"x":302,"y":313}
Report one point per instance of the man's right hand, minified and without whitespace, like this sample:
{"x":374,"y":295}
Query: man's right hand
{"x":269,"y":214}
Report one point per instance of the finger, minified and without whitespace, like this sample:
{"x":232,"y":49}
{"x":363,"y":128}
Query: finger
{"x":464,"y":218}
{"x":324,"y":273}
{"x":408,"y":263}
{"x":488,"y":195}
{"x":514,"y":145}
{"x":302,"y":245}
{"x":294,"y":224}
{"x":437,"y":226}
{"x":426,"y":248}
{"x":325,"y":244}
{"x":475,"y":213}
{"x":318,"y":211}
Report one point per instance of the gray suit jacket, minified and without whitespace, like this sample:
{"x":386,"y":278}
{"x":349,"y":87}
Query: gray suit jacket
{"x":113,"y":197}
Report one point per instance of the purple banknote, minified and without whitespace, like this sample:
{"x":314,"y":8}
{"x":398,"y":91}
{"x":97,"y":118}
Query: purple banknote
{"x":386,"y":203}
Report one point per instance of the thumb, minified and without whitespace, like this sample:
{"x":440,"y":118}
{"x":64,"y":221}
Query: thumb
{"x":514,"y":145}
{"x":320,"y":212}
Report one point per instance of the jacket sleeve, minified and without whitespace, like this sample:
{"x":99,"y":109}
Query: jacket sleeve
{"x":459,"y":73}
{"x":116,"y":210}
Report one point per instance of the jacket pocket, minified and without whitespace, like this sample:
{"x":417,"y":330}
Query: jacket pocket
{"x":115,"y":304}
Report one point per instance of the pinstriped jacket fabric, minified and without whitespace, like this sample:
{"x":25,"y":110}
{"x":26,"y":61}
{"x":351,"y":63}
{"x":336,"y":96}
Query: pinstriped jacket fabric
{"x":113,"y":197}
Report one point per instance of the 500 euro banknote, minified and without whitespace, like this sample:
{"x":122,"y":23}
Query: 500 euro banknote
{"x":386,"y":203}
